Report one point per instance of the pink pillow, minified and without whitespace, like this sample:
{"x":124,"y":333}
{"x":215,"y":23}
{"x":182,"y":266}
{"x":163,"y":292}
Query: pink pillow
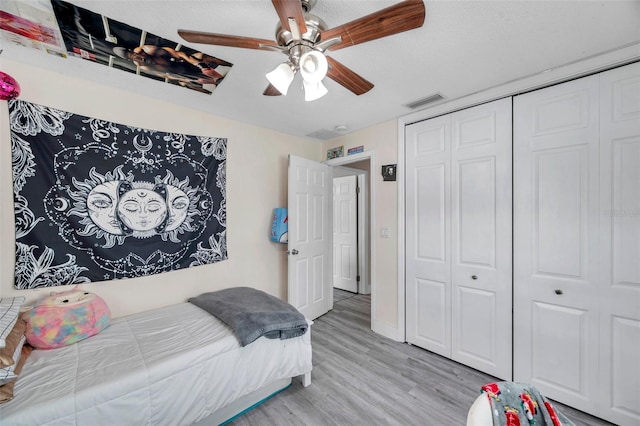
{"x":65,"y":318}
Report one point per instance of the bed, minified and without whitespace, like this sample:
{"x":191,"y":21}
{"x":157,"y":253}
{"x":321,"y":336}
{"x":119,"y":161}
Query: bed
{"x":176,"y":365}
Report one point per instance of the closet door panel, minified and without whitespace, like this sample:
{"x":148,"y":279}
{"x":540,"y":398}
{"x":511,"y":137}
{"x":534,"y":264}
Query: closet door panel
{"x":560,"y":216}
{"x":476,"y":323}
{"x":481,"y":206}
{"x":619,"y":289}
{"x":556,"y":238}
{"x":428,"y":259}
{"x":431,"y":315}
{"x":550,"y":324}
{"x":476,"y":245}
{"x":623,"y":212}
{"x":431,"y":210}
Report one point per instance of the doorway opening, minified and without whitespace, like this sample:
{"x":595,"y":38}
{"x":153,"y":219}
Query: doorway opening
{"x":350,"y":236}
{"x":357,"y":169}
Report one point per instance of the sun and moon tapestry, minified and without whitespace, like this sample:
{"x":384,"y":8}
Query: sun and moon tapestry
{"x":96,"y":200}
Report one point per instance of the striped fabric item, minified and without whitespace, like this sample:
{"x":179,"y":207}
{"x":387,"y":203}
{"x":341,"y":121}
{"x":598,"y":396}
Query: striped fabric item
{"x":8,"y":374}
{"x":9,"y":311}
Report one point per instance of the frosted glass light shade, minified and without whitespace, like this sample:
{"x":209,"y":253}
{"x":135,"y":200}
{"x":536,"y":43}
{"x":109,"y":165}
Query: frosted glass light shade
{"x":313,"y":66}
{"x":281,"y":77}
{"x":313,"y":91}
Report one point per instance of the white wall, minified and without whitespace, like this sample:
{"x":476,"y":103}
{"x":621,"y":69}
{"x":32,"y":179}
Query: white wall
{"x":382,"y":139}
{"x":256,"y":183}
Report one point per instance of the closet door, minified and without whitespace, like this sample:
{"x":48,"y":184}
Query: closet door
{"x":428,"y":234}
{"x":458,"y":236}
{"x":481,"y":212}
{"x":619,"y":292}
{"x":556,"y":238}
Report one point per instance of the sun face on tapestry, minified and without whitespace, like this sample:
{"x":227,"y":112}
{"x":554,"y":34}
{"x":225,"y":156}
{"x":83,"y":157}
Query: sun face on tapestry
{"x":95,"y":200}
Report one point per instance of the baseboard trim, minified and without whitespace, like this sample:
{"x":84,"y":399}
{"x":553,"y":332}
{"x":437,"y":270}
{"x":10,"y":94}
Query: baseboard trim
{"x":388,"y":330}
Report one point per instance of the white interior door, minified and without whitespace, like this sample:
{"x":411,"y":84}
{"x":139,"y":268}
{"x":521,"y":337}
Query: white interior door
{"x":556,"y":238}
{"x":345,"y":234}
{"x":481,"y":208}
{"x":310,"y":283}
{"x":428,"y":235}
{"x":364,"y":245}
{"x":619,"y":290}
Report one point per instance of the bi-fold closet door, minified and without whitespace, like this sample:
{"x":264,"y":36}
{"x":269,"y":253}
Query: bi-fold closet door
{"x":459,"y":236}
{"x":577,"y":243}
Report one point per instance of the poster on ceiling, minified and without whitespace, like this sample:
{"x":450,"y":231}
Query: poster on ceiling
{"x":96,"y":200}
{"x":31,"y":24}
{"x":97,"y":38}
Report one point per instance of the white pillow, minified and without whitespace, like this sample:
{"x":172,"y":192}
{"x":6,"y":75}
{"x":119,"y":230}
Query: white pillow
{"x":7,"y":374}
{"x":9,"y":311}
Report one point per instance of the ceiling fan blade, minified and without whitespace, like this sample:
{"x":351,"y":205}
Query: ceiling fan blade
{"x":347,"y":78}
{"x":290,"y":9}
{"x":271,"y":91}
{"x":400,"y":17}
{"x":225,"y":40}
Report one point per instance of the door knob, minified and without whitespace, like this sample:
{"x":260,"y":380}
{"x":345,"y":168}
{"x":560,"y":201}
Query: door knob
{"x":558,"y":292}
{"x":293,"y":252}
{"x":474,"y":277}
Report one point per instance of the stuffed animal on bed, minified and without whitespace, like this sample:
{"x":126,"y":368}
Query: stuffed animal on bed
{"x":65,"y":318}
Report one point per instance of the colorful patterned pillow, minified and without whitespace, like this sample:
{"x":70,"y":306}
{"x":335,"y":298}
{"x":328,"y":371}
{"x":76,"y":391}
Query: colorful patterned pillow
{"x":66,"y":318}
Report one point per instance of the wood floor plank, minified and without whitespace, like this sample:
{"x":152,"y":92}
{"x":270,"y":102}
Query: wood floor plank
{"x":362,"y":378}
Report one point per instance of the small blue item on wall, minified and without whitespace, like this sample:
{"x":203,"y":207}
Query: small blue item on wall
{"x":279,"y":226}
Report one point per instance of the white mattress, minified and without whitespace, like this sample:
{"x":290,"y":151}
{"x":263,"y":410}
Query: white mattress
{"x":170,"y":366}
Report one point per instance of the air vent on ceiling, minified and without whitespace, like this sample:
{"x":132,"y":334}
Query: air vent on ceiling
{"x":424,"y":101}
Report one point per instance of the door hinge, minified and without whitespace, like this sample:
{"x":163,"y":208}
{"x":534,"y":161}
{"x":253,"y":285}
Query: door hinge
{"x":357,"y":278}
{"x":357,"y":189}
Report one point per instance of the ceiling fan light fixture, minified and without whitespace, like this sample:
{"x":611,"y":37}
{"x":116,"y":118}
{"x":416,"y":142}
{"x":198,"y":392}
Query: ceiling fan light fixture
{"x":313,"y":66}
{"x":313,"y":91}
{"x":305,"y":38}
{"x":281,"y":77}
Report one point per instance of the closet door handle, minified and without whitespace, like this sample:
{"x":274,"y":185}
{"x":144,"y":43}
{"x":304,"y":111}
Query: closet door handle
{"x":558,"y":292}
{"x":474,"y":277}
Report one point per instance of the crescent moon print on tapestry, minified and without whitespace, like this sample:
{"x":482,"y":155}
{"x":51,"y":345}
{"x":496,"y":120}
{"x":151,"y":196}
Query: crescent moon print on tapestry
{"x":96,"y":200}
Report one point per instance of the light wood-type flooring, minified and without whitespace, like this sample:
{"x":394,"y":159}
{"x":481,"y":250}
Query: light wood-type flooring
{"x":362,"y":378}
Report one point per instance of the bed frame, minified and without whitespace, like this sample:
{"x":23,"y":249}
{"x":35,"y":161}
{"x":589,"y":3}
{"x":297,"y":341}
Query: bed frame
{"x":239,"y":407}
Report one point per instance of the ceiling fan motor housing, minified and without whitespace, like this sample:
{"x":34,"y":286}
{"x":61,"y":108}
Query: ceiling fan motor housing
{"x":315,"y":26}
{"x":307,"y":5}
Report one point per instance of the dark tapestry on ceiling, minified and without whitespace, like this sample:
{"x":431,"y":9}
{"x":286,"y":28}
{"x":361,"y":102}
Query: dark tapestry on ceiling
{"x":96,"y":200}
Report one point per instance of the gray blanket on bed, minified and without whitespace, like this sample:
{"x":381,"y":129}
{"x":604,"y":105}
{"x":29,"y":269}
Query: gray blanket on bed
{"x":252,"y":313}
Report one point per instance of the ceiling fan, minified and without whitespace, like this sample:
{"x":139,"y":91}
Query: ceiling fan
{"x":304,"y":38}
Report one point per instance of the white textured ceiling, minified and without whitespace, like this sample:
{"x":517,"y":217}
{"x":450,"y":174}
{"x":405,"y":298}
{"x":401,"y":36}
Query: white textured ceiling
{"x":464,"y":47}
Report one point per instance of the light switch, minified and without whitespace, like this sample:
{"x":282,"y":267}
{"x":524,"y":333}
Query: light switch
{"x":384,"y":232}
